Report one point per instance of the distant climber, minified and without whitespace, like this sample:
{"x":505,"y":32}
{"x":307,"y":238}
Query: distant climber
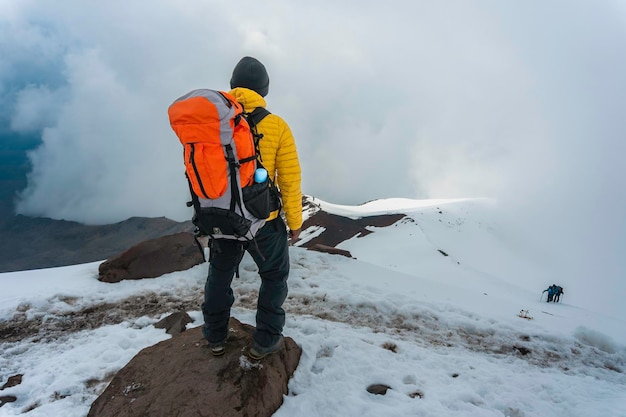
{"x":550,"y":291}
{"x":554,"y":293}
{"x":557,"y":295}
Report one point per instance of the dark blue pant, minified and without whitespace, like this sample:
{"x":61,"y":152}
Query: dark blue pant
{"x":274,"y":270}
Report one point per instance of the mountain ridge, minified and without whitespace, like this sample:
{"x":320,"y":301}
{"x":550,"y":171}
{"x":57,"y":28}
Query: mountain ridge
{"x":39,"y":242}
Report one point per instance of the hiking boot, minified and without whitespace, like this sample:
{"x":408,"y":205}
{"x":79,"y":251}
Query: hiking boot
{"x":257,"y":352}
{"x":218,"y":349}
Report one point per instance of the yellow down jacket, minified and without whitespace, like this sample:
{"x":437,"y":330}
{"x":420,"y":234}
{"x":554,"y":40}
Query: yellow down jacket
{"x":279,"y":156}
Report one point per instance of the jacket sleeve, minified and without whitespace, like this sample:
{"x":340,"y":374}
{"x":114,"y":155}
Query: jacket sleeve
{"x":289,"y":177}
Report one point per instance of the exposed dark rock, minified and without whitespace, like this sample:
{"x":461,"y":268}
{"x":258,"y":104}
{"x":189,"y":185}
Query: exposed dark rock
{"x":7,"y":399}
{"x":390,"y":346}
{"x":378,"y":389}
{"x":153,"y":258}
{"x":175,"y":323}
{"x":179,"y":377}
{"x":12,"y":381}
{"x":339,"y":228}
{"x":416,"y":394}
{"x":329,"y":249}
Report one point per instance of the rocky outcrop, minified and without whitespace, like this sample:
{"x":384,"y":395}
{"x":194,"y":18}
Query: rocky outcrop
{"x":175,"y":323}
{"x":153,"y":258}
{"x":7,"y":399}
{"x":329,"y":249}
{"x":338,"y":229}
{"x":13,"y":381}
{"x":179,"y":377}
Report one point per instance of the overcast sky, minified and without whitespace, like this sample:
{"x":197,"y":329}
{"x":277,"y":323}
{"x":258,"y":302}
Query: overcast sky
{"x":521,"y":101}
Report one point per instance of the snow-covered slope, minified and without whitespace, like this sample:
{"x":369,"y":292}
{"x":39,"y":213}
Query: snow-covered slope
{"x":428,"y":306}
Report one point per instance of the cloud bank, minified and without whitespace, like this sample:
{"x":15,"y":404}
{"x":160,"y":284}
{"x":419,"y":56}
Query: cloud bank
{"x":522,"y":102}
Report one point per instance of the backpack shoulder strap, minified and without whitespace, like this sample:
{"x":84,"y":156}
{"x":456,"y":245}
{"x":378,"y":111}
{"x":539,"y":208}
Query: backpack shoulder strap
{"x":257,"y":115}
{"x":254,"y":118}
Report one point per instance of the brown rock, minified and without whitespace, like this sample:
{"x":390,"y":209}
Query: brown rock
{"x":153,"y":258}
{"x":378,"y":389}
{"x":179,"y":377}
{"x":7,"y":399}
{"x":329,"y":249}
{"x":175,"y":323}
{"x":13,"y":381}
{"x":416,"y":394}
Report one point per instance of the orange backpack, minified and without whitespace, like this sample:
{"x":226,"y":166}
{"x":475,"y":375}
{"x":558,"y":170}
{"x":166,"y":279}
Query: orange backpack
{"x":221,"y":157}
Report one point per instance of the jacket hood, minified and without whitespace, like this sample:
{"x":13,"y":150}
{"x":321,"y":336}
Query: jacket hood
{"x":250,"y":99}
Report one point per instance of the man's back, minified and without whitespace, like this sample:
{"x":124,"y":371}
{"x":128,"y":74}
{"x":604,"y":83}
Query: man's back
{"x":250,"y":83}
{"x":278,"y":155}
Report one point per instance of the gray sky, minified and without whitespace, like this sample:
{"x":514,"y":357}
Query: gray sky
{"x":521,"y":101}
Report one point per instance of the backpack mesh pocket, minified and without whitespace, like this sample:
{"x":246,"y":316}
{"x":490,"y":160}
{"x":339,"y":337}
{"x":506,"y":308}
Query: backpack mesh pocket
{"x":256,"y":197}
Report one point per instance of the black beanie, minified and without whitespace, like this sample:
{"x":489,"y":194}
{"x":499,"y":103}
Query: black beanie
{"x":250,"y":73}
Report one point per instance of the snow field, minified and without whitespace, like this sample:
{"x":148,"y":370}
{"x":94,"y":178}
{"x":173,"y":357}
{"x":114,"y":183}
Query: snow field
{"x":442,"y":332}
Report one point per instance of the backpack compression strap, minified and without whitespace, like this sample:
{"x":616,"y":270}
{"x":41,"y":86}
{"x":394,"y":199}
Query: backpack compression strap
{"x":254,"y":118}
{"x":235,"y":197}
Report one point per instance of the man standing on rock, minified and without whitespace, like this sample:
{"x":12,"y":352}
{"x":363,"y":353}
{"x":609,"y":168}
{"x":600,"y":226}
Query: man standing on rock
{"x":250,"y":84}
